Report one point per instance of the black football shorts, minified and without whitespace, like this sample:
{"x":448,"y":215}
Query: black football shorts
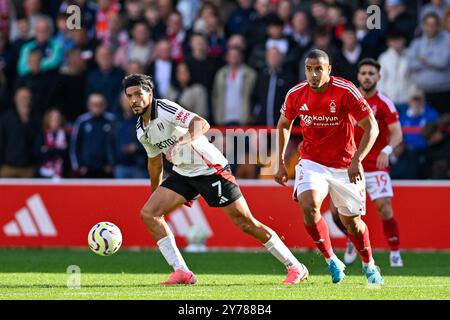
{"x":218,"y":189}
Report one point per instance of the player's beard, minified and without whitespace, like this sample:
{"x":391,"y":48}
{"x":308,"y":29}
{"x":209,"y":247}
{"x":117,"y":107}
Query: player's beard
{"x":140,"y":114}
{"x":369,"y":89}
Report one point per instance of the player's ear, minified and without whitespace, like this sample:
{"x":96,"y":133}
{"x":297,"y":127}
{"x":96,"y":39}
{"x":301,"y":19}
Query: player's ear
{"x":329,"y":69}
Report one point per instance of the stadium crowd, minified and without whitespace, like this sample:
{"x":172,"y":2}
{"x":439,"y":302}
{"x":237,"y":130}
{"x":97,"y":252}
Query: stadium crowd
{"x":63,"y":112}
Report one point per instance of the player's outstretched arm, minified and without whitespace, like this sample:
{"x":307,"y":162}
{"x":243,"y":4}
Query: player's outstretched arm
{"x":197,"y":127}
{"x":155,"y":171}
{"x":370,"y":126}
{"x":284,"y":127}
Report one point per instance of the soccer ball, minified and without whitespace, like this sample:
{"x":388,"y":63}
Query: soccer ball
{"x":105,"y":238}
{"x":196,"y":237}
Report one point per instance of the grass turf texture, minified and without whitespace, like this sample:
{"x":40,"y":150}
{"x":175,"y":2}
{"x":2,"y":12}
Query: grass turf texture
{"x":41,"y":274}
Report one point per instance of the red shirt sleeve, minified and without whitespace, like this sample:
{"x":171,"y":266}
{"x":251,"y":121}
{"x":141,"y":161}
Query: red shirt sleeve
{"x":288,"y":108}
{"x":357,"y":105}
{"x":389,"y":115}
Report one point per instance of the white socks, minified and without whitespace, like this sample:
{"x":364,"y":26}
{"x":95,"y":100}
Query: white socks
{"x":169,"y":250}
{"x":279,"y":250}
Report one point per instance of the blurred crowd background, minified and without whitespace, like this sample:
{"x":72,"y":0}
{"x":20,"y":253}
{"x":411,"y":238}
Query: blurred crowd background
{"x":63,"y":112}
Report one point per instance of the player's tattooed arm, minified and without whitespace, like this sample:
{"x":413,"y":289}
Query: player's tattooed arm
{"x":155,"y":171}
{"x":370,"y":126}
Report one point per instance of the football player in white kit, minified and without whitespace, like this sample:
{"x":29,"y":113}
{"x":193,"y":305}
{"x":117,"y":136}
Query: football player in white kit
{"x":199,"y":168}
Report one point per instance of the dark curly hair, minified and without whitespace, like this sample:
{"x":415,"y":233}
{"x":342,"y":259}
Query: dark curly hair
{"x":138,"y":80}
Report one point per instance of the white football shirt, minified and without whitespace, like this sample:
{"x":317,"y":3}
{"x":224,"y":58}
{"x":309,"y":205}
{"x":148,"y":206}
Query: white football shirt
{"x":168,"y":122}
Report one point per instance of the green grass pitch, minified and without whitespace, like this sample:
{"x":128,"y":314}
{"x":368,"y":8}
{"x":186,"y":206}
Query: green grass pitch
{"x":41,"y":274}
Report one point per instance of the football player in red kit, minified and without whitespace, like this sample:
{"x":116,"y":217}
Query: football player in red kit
{"x":376,"y":163}
{"x":330,"y":162}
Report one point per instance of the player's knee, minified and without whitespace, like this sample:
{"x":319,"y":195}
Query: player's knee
{"x":385,"y":210}
{"x":310,"y":208}
{"x":354,"y":226}
{"x":243,"y":223}
{"x":150,"y":214}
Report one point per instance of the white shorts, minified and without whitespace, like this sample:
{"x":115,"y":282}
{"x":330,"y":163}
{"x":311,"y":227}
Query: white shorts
{"x":349,"y":198}
{"x":378,"y":185}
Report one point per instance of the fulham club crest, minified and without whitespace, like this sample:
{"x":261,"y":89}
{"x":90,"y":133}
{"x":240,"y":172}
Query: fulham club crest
{"x":332,"y":106}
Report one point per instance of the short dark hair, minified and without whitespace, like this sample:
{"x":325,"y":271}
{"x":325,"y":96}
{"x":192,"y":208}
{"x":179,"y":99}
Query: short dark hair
{"x":318,"y":54}
{"x":369,"y":62}
{"x":136,"y":79}
{"x":433,"y":15}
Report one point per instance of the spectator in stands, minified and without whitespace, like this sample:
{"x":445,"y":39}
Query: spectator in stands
{"x":86,"y":45}
{"x":322,"y":41}
{"x":18,"y":130}
{"x":301,"y":32}
{"x":336,"y":23}
{"x":372,"y":40}
{"x":162,"y":69}
{"x":140,"y":47}
{"x":4,"y":71}
{"x":237,"y":41}
{"x":438,"y":151}
{"x":134,"y":13}
{"x":105,"y":79}
{"x":275,"y":38}
{"x":399,"y":19}
{"x":215,"y":35}
{"x":32,"y":11}
{"x":189,"y":10}
{"x":446,"y":21}
{"x":417,"y":116}
{"x":190,"y":96}
{"x":405,"y":163}
{"x":207,"y":9}
{"x":284,"y":11}
{"x":177,"y":36}
{"x":239,"y":19}
{"x":62,"y":34}
{"x":52,"y":146}
{"x":156,"y":24}
{"x":68,"y":92}
{"x":395,"y":80}
{"x":24,"y":36}
{"x":202,"y":67}
{"x":131,"y":160}
{"x":256,"y":31}
{"x":92,"y":149}
{"x":233,"y":86}
{"x":52,"y":51}
{"x":272,"y":84}
{"x":88,"y":10}
{"x":346,"y":61}
{"x":105,"y":8}
{"x":319,"y":13}
{"x":435,"y":6}
{"x":429,"y":63}
{"x":115,"y":37}
{"x":134,"y":66}
{"x":39,"y":82}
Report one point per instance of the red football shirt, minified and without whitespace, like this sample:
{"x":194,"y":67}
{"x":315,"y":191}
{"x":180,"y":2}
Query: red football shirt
{"x":385,"y":113}
{"x":327,"y":120}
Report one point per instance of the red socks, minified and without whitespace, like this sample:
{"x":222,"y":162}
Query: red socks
{"x":390,"y":228}
{"x":321,"y":237}
{"x":362,"y":244}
